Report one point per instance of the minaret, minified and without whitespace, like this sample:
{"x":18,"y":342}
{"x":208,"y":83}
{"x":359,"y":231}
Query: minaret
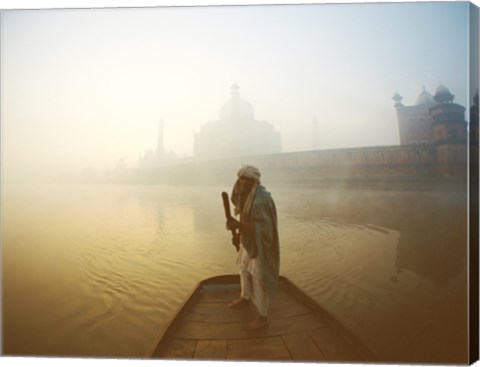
{"x":235,"y":90}
{"x":160,"y":147}
{"x":449,"y":125}
{"x":235,"y":101}
{"x":399,"y":108}
{"x":449,"y":134}
{"x":316,"y":134}
{"x":398,"y":99}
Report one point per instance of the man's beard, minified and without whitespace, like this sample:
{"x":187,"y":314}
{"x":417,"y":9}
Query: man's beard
{"x":240,"y":192}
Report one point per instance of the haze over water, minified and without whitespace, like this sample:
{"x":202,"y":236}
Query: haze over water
{"x":84,"y":88}
{"x":98,"y":270}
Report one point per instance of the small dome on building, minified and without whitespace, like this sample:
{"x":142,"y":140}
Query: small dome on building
{"x":424,"y":98}
{"x":442,"y":94}
{"x":398,"y":99}
{"x":236,"y":107}
{"x":442,"y":89}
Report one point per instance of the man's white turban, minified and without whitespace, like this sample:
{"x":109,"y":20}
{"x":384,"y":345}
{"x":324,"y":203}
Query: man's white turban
{"x":249,"y":172}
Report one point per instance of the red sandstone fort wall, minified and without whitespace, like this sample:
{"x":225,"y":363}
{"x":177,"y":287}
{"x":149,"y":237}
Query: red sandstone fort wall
{"x":390,"y":162}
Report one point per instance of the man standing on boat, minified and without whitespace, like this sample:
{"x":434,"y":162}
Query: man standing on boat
{"x":258,"y":257}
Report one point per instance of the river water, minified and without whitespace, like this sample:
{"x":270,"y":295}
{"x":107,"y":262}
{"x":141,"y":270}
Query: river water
{"x":98,"y":270}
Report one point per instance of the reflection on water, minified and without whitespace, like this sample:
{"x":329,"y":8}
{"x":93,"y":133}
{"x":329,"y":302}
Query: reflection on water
{"x":98,"y":270}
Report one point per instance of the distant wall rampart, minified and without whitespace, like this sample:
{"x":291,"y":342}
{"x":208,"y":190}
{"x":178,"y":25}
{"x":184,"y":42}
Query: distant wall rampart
{"x":370,"y":163}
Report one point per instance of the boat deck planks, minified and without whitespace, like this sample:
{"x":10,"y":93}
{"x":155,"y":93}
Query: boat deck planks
{"x":210,"y":349}
{"x":272,"y":348}
{"x":302,"y":347}
{"x":206,"y":328}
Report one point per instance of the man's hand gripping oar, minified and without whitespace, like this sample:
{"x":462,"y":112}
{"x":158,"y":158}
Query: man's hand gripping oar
{"x":230,"y":219}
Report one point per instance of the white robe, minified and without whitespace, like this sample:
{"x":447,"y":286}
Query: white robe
{"x":251,"y":283}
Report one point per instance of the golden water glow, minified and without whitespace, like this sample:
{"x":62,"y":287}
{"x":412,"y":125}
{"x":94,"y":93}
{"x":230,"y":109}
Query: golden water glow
{"x":98,"y":270}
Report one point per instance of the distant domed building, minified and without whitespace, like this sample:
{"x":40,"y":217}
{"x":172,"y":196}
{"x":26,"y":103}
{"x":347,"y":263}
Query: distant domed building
{"x":236,"y":133}
{"x":448,"y":119}
{"x":434,"y":119}
{"x":414,"y":123}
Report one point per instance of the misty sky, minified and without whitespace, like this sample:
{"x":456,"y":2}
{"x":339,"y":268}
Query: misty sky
{"x":84,"y":88}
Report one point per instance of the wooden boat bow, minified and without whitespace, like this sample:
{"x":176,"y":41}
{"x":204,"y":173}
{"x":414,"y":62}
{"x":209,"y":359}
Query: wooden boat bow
{"x":300,"y":329}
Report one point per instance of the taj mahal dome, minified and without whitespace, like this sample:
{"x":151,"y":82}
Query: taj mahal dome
{"x":236,"y":133}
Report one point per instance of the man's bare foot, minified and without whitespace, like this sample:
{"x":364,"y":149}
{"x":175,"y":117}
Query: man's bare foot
{"x":241,"y":302}
{"x":259,"y":323}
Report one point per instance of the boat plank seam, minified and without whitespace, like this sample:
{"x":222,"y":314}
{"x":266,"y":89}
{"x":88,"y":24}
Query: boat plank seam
{"x":302,"y":347}
{"x":234,"y":330}
{"x":228,"y":315}
{"x":333,"y":346}
{"x":262,"y":348}
{"x":177,"y":348}
{"x":210,"y":349}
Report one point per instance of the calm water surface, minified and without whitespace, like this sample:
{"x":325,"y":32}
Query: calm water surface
{"x":98,"y":270}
